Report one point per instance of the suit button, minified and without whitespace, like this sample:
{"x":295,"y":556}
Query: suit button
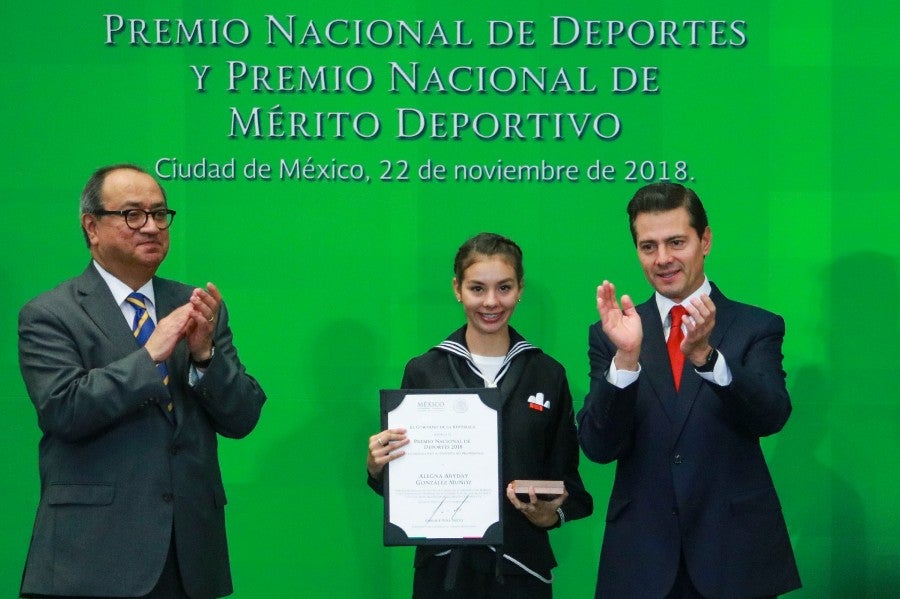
{"x":168,"y":497}
{"x":174,"y":450}
{"x":678,"y":459}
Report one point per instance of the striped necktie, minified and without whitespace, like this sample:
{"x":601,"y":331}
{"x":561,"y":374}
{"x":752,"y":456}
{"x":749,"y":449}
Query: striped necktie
{"x":142,"y":327}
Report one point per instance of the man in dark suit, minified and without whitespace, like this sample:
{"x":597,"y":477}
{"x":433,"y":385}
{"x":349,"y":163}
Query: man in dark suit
{"x":693,"y":510}
{"x":131,"y":392}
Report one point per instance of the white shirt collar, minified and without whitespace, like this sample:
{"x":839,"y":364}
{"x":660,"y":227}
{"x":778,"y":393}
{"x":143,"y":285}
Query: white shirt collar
{"x":121,"y":291}
{"x":664,"y":304}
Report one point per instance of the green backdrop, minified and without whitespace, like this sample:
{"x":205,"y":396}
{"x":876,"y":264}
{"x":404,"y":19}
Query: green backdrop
{"x":788,"y":131}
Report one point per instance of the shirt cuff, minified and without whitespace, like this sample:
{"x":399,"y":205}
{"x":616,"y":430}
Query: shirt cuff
{"x":719,"y":375}
{"x":621,"y":378}
{"x":194,"y":375}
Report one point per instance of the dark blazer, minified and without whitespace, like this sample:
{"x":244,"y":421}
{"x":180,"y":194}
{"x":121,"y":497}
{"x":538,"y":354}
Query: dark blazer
{"x":118,"y":477}
{"x":535,"y":444}
{"x":690,"y":474}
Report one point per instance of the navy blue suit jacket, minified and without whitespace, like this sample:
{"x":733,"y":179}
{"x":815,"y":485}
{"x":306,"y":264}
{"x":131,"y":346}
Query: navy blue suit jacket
{"x":690,"y":475}
{"x":119,"y":477}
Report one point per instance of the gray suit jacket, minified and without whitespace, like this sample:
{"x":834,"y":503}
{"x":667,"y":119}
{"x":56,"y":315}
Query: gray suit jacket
{"x":118,"y":477}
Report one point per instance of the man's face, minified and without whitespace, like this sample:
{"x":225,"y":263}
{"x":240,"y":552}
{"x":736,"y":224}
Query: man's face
{"x":126,"y":253}
{"x":671,"y":252}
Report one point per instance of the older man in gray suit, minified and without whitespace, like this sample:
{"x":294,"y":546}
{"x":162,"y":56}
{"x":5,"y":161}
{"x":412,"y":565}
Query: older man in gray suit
{"x":133,"y":377}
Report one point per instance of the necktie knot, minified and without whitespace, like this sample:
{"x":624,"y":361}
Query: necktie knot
{"x":138,"y":300}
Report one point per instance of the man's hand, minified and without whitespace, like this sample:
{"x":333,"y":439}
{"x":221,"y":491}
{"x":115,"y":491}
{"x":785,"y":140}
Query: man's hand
{"x":204,"y":311}
{"x":195,"y":321}
{"x":622,"y":325}
{"x":167,"y":333}
{"x":698,"y":327}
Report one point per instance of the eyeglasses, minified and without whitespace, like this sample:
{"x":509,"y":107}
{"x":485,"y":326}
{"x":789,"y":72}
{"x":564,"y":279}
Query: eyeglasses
{"x":136,"y":218}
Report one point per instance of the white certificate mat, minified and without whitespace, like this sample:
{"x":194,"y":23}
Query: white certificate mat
{"x":446,"y":489}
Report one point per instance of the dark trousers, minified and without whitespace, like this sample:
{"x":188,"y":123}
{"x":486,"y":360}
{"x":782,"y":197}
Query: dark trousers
{"x":169,"y":585}
{"x":684,"y":588}
{"x":471,"y":573}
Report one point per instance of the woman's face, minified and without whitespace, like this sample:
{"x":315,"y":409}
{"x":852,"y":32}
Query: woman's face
{"x":489,"y":292}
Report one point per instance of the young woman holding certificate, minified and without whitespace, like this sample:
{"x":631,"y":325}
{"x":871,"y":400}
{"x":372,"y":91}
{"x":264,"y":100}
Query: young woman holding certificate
{"x":538,"y":433}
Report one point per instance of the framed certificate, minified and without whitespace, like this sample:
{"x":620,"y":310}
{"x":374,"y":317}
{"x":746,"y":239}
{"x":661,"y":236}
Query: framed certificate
{"x":446,"y":489}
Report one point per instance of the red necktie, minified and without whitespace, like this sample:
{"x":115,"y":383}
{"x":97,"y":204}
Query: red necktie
{"x":676,"y":336}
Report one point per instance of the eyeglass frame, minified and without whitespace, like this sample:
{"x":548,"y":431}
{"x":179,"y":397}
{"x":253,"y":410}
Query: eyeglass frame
{"x":170,"y":216}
